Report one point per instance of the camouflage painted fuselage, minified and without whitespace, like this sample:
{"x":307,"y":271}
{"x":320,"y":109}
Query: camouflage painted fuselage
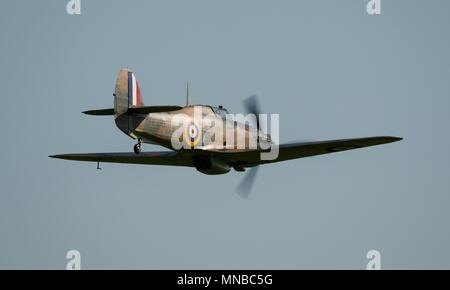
{"x":159,"y":128}
{"x":194,"y":126}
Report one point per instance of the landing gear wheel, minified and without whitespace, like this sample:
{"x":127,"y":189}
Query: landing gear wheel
{"x":137,"y":148}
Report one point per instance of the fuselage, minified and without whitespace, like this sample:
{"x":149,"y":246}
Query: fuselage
{"x":198,"y":126}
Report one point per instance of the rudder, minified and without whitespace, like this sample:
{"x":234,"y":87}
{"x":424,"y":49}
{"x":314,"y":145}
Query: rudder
{"x":127,"y":95}
{"x":127,"y":92}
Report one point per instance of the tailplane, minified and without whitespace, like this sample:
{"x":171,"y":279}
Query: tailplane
{"x":129,"y":110}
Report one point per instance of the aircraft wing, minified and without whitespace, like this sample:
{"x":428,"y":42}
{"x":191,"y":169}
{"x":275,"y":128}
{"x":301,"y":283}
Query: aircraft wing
{"x":247,"y":158}
{"x":155,"y":158}
{"x":304,"y":149}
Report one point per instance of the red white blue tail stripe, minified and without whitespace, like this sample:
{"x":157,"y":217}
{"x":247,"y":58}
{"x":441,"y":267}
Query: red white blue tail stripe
{"x":134,"y":92}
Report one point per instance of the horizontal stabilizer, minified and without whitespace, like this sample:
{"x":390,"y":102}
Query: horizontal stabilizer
{"x":137,"y":110}
{"x":101,"y":112}
{"x":153,"y":109}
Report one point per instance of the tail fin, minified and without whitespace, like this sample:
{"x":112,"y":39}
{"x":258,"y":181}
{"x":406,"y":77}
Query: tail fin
{"x":129,"y":110}
{"x":127,"y":93}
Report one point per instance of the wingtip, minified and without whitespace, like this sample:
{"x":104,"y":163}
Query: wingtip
{"x":58,"y":156}
{"x":395,"y":139}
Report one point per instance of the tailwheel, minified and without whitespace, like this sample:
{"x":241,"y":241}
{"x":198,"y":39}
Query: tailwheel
{"x":137,"y":147}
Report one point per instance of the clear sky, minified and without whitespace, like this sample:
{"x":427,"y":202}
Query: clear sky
{"x":328,"y":68}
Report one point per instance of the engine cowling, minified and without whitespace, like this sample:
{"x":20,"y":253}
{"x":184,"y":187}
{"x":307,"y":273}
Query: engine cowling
{"x":210,"y":165}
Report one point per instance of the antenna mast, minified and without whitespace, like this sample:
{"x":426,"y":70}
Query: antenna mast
{"x":187,"y":94}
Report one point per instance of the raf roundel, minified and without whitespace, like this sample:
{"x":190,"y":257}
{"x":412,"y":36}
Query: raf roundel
{"x":191,"y":134}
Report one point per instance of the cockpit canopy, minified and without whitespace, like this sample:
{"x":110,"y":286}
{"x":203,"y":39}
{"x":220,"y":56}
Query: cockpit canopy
{"x":220,"y":111}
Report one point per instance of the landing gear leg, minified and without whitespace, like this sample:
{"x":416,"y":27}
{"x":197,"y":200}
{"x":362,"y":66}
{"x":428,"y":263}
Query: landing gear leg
{"x":138,"y":147}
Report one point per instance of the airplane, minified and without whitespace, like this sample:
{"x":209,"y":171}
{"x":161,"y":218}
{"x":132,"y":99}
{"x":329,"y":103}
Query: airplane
{"x":154,"y":125}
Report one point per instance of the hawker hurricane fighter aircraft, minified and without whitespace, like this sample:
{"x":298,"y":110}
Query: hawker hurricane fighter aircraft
{"x":186,"y":131}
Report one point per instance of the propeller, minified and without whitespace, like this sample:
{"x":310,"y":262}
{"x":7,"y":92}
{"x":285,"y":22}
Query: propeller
{"x":245,"y":187}
{"x":252,"y":107}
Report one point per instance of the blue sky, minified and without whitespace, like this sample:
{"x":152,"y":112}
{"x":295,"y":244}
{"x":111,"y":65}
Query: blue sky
{"x":330,"y":71}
